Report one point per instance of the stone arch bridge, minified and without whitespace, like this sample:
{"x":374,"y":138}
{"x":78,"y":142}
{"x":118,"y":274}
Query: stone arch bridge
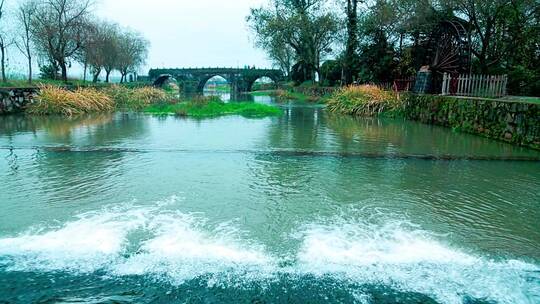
{"x":193,"y":80}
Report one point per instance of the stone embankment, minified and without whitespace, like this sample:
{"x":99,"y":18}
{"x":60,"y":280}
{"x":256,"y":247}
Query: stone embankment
{"x":14,"y":100}
{"x":513,"y":122}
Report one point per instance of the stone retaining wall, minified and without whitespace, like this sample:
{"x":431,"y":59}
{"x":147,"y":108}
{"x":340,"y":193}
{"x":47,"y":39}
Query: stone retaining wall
{"x":14,"y":100}
{"x":514,"y":122}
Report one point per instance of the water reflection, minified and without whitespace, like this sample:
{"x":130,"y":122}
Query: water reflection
{"x":389,"y":136}
{"x":232,"y":168}
{"x":61,"y":127}
{"x":299,"y":128}
{"x":86,"y":130}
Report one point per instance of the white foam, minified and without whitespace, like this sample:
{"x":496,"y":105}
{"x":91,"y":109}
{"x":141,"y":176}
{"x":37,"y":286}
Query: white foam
{"x":86,"y":244}
{"x":411,"y":261}
{"x":181,"y":250}
{"x":168,"y":245}
{"x":177,"y":247}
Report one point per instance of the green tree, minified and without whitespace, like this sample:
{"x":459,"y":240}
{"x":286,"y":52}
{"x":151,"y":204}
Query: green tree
{"x":308,"y":27}
{"x":351,"y":58}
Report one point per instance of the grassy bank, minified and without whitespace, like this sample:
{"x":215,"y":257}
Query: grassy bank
{"x":365,"y":100}
{"x":42,"y":82}
{"x":136,"y":99}
{"x":60,"y":101}
{"x":54,"y":100}
{"x":204,"y":107}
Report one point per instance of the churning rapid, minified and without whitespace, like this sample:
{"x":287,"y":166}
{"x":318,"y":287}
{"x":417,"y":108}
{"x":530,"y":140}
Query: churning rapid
{"x":176,"y":248}
{"x":138,"y":209}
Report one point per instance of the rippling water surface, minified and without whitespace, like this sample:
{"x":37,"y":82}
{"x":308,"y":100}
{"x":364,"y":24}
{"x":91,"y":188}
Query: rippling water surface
{"x":302,"y":208}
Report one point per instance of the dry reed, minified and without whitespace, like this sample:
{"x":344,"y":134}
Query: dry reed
{"x":364,"y":100}
{"x":56,"y":100}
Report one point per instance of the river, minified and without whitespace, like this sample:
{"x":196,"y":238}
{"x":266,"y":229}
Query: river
{"x":306,"y":207}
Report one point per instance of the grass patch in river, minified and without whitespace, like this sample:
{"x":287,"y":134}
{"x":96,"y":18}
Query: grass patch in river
{"x":287,"y":95}
{"x":204,"y":107}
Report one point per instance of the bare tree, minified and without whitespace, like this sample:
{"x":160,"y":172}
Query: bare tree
{"x":111,"y":37}
{"x":25,"y":15}
{"x":5,"y":42}
{"x":58,"y":29}
{"x":100,"y":48}
{"x":89,"y":47}
{"x":132,"y":52}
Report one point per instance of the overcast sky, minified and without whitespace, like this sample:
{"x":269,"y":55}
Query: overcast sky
{"x":190,"y":33}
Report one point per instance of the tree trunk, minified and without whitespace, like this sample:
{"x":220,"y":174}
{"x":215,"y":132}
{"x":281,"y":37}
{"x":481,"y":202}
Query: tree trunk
{"x":29,"y":68}
{"x":85,"y":70}
{"x":352,"y":41}
{"x":3,"y":63}
{"x":108,"y":73}
{"x":63,"y":67}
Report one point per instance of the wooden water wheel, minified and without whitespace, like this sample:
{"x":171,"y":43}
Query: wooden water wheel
{"x":450,"y":50}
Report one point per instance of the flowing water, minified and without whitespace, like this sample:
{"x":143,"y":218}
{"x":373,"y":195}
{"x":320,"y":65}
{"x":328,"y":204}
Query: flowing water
{"x":302,"y":208}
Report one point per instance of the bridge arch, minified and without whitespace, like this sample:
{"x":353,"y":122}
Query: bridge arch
{"x":261,"y":79}
{"x":192,"y":80}
{"x":162,"y":79}
{"x":204,"y":80}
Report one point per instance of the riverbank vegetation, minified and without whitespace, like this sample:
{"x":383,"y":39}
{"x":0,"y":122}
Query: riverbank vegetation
{"x":205,"y":107}
{"x":288,"y":95}
{"x":365,"y":100}
{"x":55,"y":100}
{"x":136,"y":99}
{"x":380,"y":41}
{"x":281,"y":94}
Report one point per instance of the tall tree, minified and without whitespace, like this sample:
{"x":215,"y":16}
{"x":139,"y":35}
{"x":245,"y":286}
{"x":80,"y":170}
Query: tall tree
{"x":132,"y":52}
{"x":100,"y":48}
{"x":308,"y":27}
{"x":111,"y":36}
{"x":25,"y":15}
{"x":489,"y":22}
{"x":350,"y":61}
{"x":5,"y":42}
{"x":58,"y":28}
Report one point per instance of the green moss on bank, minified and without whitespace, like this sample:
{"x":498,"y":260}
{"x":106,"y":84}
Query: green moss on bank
{"x":214,"y":108}
{"x":513,"y":122}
